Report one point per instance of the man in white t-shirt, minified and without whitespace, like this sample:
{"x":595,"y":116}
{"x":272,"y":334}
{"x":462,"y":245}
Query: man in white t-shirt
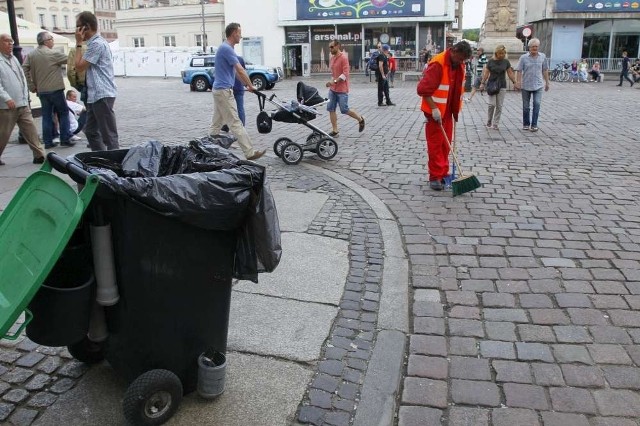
{"x":77,"y":114}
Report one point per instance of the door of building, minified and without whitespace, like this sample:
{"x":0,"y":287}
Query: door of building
{"x":306,"y":60}
{"x":297,"y":60}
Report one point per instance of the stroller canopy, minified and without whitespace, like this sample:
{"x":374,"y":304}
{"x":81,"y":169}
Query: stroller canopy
{"x":308,"y":95}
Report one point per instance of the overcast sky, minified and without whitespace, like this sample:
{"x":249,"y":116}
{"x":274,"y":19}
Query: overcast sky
{"x":473,"y":13}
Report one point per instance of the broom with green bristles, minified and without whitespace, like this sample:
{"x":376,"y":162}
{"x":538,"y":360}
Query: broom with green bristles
{"x":465,"y":183}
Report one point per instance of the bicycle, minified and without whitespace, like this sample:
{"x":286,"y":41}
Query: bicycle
{"x":560,"y":72}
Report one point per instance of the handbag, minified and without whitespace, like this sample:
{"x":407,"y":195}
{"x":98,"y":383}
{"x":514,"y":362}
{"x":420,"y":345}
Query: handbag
{"x":493,"y":87}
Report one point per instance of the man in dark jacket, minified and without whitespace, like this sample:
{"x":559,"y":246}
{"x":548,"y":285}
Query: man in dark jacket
{"x":381,"y":76}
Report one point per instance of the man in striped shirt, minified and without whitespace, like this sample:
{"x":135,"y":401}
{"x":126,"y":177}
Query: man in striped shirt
{"x":101,"y":129}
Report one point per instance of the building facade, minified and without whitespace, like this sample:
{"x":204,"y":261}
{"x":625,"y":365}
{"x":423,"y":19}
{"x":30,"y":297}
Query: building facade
{"x":572,"y":29}
{"x":105,"y":11}
{"x":57,"y":16}
{"x":296,"y":33}
{"x":177,"y":24}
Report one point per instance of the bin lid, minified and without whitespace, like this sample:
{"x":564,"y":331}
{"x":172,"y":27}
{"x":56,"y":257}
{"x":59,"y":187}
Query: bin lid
{"x":34,"y":230}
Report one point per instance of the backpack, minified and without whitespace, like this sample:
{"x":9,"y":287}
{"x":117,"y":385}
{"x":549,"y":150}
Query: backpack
{"x":373,"y":61}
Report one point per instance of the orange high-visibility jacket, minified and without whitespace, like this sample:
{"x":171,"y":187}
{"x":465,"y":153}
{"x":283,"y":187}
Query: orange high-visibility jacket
{"x":441,"y":95}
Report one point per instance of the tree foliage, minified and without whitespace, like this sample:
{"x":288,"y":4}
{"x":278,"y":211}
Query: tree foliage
{"x":471,"y":34}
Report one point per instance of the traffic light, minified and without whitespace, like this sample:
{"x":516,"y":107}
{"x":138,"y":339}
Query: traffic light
{"x":524,"y":32}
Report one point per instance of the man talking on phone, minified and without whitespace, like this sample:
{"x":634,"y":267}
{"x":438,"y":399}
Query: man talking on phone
{"x":101,"y":129}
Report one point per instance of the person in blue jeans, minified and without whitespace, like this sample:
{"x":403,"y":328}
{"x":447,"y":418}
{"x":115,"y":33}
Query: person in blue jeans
{"x":624,"y":73}
{"x":532,"y":76}
{"x":43,"y":70}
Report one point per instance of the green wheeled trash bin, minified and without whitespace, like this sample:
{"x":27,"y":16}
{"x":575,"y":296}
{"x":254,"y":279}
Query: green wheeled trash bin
{"x":174,"y":261}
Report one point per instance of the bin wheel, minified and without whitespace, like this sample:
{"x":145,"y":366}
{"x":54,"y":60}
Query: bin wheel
{"x":292,"y":153}
{"x":87,"y":351}
{"x":326,"y":148}
{"x":152,"y":398}
{"x":277,"y":146}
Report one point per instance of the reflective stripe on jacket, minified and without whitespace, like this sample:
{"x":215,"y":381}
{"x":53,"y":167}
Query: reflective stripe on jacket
{"x":441,"y":95}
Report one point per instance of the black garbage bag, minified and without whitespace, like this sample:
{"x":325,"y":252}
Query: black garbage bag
{"x":203,"y":185}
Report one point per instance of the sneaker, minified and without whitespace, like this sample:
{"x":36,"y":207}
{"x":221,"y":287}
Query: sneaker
{"x":390,"y":104}
{"x":436,"y":185}
{"x":619,"y":85}
{"x":526,"y":128}
{"x":67,"y":143}
{"x":257,"y":155}
{"x":56,"y":140}
{"x":534,"y":129}
{"x":75,"y":138}
{"x":361,"y":124}
{"x":381,"y":104}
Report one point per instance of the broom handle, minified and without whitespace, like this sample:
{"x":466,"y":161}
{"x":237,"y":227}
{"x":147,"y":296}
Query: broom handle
{"x":455,"y":157}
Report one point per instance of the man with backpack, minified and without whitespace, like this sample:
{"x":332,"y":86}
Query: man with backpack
{"x":382,"y":73}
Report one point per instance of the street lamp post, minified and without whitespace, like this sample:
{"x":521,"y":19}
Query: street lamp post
{"x":204,"y":32}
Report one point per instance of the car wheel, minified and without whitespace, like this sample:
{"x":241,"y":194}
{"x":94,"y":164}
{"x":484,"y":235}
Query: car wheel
{"x":259,"y":82}
{"x":200,"y":84}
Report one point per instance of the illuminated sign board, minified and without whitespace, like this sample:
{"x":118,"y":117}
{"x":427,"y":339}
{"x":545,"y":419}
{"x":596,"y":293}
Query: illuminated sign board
{"x":359,"y":9}
{"x":592,"y":6}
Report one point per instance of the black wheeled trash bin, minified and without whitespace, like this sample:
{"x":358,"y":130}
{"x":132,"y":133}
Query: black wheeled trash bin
{"x":177,"y":221}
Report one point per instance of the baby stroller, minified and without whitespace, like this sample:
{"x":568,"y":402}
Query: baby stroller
{"x":300,"y":111}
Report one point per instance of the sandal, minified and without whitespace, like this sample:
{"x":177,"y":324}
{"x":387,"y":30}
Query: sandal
{"x":361,"y":124}
{"x":334,"y":134}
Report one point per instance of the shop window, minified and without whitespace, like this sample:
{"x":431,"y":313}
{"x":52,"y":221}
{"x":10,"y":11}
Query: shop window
{"x":320,"y":38}
{"x":595,"y":40}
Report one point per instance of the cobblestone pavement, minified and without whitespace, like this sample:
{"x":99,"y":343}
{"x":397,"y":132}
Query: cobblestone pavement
{"x":525,"y":293}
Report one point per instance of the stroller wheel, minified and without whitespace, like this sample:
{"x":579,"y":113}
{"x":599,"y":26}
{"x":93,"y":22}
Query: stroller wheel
{"x":277,"y":146}
{"x":326,"y":148}
{"x":292,"y":153}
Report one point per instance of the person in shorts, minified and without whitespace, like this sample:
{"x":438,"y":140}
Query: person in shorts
{"x":339,"y":89}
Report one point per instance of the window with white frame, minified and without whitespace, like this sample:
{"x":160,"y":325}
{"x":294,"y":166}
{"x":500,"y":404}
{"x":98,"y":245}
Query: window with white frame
{"x":41,"y":19}
{"x":65,"y":19}
{"x":138,"y":42}
{"x":199,"y":38}
{"x":169,"y":41}
{"x":54,"y":20}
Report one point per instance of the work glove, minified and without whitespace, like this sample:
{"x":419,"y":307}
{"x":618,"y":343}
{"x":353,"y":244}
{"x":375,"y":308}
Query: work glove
{"x":437,"y":117}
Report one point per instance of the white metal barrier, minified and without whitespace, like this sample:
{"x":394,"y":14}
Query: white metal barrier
{"x":152,"y":62}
